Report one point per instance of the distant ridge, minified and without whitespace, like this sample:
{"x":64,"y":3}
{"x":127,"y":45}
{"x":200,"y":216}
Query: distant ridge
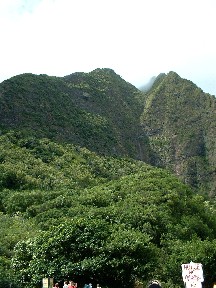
{"x":180,"y":121}
{"x":172,"y":124}
{"x":98,"y":110}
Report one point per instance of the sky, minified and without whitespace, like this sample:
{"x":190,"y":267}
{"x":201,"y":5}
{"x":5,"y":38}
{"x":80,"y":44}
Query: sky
{"x":138,"y":39}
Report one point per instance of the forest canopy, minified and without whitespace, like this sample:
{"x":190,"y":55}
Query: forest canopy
{"x":107,"y":220}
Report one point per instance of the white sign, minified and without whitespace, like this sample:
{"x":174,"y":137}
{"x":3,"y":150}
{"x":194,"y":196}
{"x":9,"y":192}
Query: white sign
{"x":193,"y":284}
{"x":47,"y":282}
{"x":192,"y":274}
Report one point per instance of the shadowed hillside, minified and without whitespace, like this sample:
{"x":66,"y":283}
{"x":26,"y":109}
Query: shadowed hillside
{"x":97,"y":110}
{"x":75,"y":203}
{"x":69,"y":213}
{"x":172,"y":125}
{"x":180,"y":121}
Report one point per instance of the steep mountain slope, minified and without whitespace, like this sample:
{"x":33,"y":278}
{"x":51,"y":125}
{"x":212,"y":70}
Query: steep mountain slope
{"x":68,"y":213}
{"x":180,"y":121}
{"x":98,"y":110}
{"x":173,"y":125}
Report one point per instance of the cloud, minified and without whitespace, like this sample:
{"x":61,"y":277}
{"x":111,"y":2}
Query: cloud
{"x":137,"y":38}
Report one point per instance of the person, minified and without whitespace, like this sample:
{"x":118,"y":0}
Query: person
{"x":56,"y":285}
{"x":72,"y":284}
{"x":65,"y":284}
{"x":154,"y":284}
{"x":98,"y":286}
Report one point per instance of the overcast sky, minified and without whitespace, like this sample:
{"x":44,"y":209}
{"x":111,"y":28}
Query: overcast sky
{"x":138,"y":39}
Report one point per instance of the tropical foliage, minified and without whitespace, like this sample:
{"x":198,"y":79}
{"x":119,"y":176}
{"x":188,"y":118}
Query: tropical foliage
{"x":69,"y":213}
{"x":180,"y":123}
{"x":79,"y":198}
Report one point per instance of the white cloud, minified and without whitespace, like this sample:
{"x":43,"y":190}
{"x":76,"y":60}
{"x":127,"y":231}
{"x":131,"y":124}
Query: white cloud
{"x":136,"y":38}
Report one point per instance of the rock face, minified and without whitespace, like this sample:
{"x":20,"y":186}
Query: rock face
{"x":180,"y":122}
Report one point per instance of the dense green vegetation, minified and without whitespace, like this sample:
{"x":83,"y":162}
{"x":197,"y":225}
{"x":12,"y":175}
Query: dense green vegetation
{"x":97,"y":110}
{"x":69,"y":213}
{"x":79,"y":198}
{"x":171,"y":125}
{"x":180,"y":121}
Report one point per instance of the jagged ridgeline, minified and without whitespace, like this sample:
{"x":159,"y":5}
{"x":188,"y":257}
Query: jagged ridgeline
{"x":97,"y":110}
{"x":172,"y":125}
{"x":71,"y":210}
{"x":180,"y":122}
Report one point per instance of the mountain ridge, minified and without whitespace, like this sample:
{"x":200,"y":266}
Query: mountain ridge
{"x":66,"y":106}
{"x":185,"y":123}
{"x":103,"y":183}
{"x":172,"y":125}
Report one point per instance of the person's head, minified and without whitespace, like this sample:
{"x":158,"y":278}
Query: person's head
{"x":56,"y":285}
{"x":154,"y":284}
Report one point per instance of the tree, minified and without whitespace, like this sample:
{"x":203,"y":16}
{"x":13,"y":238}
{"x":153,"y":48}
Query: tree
{"x":85,"y":250}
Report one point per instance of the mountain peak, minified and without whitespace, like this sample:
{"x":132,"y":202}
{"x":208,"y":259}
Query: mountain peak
{"x":171,"y":125}
{"x":104,"y":70}
{"x":173,"y":74}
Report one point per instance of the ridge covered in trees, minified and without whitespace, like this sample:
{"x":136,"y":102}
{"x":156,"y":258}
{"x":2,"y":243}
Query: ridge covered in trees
{"x":172,"y":125}
{"x":103,"y":183}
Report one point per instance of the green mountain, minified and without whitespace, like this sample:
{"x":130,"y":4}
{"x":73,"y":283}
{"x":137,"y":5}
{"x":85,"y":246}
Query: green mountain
{"x":172,"y":125}
{"x":180,"y":121}
{"x":68,"y":213}
{"x":97,"y":110}
{"x":103,"y":183}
